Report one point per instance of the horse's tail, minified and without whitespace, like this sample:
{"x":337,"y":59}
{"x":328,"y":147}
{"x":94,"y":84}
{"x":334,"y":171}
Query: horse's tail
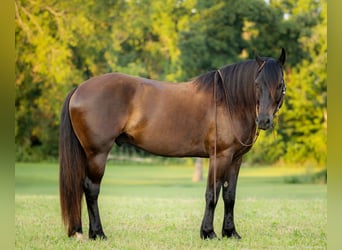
{"x":72,"y":166}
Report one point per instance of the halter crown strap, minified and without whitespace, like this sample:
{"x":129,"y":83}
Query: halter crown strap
{"x":261,"y":66}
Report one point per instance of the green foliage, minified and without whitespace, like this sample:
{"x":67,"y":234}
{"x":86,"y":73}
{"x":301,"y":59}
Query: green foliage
{"x":301,"y":131}
{"x":59,"y":44}
{"x":319,"y":177}
{"x":304,"y":121}
{"x":268,"y":149}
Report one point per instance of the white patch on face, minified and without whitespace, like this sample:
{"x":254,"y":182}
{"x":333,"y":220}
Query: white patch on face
{"x":225,"y":184}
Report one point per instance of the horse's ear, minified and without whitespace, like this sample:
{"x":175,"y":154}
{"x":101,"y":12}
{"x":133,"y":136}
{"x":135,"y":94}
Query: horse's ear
{"x":282,"y":57}
{"x":259,"y":60}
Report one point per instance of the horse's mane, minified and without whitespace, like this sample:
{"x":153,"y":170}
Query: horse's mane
{"x":236,"y":85}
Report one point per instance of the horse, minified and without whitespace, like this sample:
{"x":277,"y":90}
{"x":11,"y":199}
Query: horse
{"x":216,"y":115}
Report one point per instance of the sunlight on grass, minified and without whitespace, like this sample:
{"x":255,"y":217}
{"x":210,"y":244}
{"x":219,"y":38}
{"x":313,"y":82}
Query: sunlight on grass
{"x":158,"y":207}
{"x":154,"y":223}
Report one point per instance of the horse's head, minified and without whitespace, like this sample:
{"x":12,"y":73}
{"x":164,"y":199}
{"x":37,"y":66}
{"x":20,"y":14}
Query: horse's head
{"x":270,"y":89}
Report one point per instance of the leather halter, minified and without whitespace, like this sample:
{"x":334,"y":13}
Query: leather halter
{"x":283,"y":89}
{"x":261,"y":66}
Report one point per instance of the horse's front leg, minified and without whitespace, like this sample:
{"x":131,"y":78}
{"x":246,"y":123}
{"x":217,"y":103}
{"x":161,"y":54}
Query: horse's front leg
{"x":228,"y":195}
{"x":207,"y":227}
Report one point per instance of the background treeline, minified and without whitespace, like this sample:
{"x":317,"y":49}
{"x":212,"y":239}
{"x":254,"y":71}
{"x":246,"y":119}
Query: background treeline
{"x":59,"y":44}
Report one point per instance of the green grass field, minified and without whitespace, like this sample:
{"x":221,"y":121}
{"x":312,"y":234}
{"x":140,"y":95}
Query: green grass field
{"x":159,"y":207}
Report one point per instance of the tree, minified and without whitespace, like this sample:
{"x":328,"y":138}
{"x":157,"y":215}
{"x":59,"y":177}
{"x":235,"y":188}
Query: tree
{"x":43,"y":67}
{"x":300,"y":134}
{"x":214,"y":37}
{"x":59,"y":44}
{"x":198,"y":172}
{"x":305,"y":121}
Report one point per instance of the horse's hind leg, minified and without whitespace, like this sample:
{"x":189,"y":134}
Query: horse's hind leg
{"x":92,"y":189}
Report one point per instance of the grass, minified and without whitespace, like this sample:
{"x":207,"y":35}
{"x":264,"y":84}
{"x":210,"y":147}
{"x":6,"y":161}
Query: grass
{"x":158,"y":207}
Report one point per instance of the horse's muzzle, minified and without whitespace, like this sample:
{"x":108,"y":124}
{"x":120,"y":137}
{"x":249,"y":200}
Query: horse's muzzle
{"x":264,"y":121}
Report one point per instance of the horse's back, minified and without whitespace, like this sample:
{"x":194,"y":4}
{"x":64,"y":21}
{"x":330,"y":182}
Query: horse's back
{"x":117,"y":92}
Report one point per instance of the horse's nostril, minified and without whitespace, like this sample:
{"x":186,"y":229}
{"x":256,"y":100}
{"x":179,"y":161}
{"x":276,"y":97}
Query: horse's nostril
{"x":263,"y":122}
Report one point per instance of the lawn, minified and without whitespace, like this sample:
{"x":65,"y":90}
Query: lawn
{"x":159,"y":207}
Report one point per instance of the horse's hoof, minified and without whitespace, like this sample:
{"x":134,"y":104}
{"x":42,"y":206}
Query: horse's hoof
{"x":208,"y":235}
{"x":235,"y":235}
{"x":95,"y":236}
{"x":231,"y":234}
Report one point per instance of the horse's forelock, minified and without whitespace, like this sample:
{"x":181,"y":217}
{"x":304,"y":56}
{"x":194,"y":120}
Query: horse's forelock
{"x":272,"y":75}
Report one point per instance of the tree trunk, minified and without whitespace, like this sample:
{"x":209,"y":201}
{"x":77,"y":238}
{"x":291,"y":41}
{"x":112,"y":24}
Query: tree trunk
{"x":198,"y":173}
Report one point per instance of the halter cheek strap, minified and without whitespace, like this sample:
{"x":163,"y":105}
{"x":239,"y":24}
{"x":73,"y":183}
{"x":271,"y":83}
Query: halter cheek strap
{"x":281,"y":98}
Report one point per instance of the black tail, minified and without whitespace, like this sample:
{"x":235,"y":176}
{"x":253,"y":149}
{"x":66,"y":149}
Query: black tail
{"x":72,"y":166}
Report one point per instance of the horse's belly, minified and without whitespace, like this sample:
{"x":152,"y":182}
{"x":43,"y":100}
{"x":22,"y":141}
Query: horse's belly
{"x":179,"y":142}
{"x":172,"y":150}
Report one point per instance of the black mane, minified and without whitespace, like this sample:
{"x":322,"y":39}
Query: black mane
{"x":236,"y":84}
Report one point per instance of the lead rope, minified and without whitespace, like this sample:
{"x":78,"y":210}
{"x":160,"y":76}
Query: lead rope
{"x":215,"y":137}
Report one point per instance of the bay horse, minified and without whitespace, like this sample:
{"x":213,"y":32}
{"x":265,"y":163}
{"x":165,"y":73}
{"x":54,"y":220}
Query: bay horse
{"x":216,"y":115}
